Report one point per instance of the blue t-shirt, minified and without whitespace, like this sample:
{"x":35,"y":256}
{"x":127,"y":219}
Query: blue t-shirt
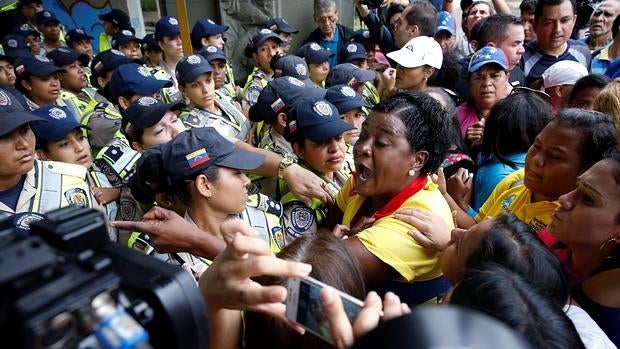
{"x":10,"y":196}
{"x":490,"y":172}
{"x":331,"y":46}
{"x":534,"y":62}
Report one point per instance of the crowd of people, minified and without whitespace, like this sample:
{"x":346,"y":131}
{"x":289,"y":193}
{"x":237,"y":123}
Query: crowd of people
{"x":408,"y":160}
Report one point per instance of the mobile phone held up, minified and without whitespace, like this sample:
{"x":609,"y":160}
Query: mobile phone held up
{"x":304,"y":307}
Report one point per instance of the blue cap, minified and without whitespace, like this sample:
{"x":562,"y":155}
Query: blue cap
{"x":12,"y":113}
{"x":117,"y":17}
{"x":124,"y":36}
{"x":133,"y":77}
{"x":193,"y":151}
{"x":211,"y":53}
{"x":348,"y":74}
{"x":106,"y":61}
{"x":260,"y":37}
{"x":487,"y":55}
{"x":75,"y":35}
{"x":144,"y":113}
{"x":167,"y":26}
{"x":280,"y":96}
{"x":191,"y":67}
{"x":149,"y":43}
{"x":345,"y":98}
{"x":15,"y":46}
{"x":66,"y":55}
{"x":280,"y":25}
{"x":317,"y":120}
{"x":44,"y":17}
{"x":314,"y":53}
{"x":57,"y":122}
{"x":445,"y":21}
{"x":354,"y":51}
{"x":25,"y":30}
{"x":363,"y":37}
{"x":205,"y":27}
{"x":35,"y":65}
{"x":290,"y":65}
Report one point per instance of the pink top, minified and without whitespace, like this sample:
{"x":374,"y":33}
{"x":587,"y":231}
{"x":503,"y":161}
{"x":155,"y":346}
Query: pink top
{"x":467,"y":116}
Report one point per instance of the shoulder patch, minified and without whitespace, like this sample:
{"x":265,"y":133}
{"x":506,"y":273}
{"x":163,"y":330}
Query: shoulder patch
{"x":301,"y":219}
{"x":77,"y":197}
{"x":252,"y":95}
{"x":127,"y":210}
{"x":278,"y":236}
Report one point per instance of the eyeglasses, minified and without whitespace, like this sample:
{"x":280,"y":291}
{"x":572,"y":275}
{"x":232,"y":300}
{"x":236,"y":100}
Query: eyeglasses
{"x":527,"y":90}
{"x":326,"y":19}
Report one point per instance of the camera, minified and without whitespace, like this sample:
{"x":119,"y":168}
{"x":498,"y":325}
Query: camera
{"x":372,"y":3}
{"x":63,"y":284}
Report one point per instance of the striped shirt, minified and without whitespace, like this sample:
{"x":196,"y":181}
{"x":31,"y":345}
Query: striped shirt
{"x":534,"y":62}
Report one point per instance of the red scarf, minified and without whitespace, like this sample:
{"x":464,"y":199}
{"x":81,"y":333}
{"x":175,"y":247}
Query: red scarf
{"x":415,"y":186}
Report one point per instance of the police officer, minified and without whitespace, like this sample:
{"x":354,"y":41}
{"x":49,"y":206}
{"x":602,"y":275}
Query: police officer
{"x":281,"y":27}
{"x":315,"y":132}
{"x":126,"y":42}
{"x":113,"y":22}
{"x":27,"y":184}
{"x":168,"y":37}
{"x":263,"y":46}
{"x":224,"y":85}
{"x":80,"y":41}
{"x":49,"y":26}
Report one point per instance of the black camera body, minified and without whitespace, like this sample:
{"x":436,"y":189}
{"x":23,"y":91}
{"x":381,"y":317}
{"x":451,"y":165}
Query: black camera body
{"x":372,"y":3}
{"x":67,"y":286}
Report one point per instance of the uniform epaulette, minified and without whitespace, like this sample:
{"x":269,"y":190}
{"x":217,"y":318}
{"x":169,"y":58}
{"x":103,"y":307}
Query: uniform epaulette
{"x":265,"y":204}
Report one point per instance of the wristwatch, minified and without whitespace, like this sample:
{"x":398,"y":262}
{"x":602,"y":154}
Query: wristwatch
{"x":286,"y":161}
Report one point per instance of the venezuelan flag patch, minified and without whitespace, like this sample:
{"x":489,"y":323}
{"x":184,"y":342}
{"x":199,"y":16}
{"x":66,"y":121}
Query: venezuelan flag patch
{"x":197,"y":158}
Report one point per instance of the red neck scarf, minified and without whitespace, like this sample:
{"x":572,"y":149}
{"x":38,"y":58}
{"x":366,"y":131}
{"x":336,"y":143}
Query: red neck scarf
{"x":415,"y":186}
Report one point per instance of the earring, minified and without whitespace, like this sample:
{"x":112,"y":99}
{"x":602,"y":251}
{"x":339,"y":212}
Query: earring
{"x":209,"y":196}
{"x":411,"y":173}
{"x":605,"y":244}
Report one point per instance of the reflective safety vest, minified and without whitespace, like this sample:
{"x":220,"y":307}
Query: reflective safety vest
{"x":168,"y":94}
{"x":255,"y":83}
{"x":51,"y":185}
{"x":232,"y":122}
{"x":117,"y":160}
{"x":98,"y":179}
{"x":104,"y":43}
{"x":104,"y":121}
{"x":227,"y":91}
{"x":371,"y":94}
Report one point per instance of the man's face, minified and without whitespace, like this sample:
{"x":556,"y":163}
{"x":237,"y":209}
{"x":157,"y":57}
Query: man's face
{"x":513,"y":44}
{"x":528,"y":24}
{"x":555,"y":26}
{"x":401,"y":29}
{"x":327,"y":21}
{"x":30,"y":11}
{"x":446,"y":40}
{"x":603,"y":17}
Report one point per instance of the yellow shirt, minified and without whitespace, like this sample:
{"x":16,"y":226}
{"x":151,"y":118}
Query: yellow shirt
{"x":387,"y":238}
{"x":511,"y":195}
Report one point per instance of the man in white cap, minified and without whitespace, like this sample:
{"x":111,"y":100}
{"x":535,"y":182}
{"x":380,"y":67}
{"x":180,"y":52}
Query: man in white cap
{"x":559,"y":79}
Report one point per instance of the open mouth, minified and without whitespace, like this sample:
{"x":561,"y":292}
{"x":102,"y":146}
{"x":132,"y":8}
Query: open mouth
{"x":364,"y":173}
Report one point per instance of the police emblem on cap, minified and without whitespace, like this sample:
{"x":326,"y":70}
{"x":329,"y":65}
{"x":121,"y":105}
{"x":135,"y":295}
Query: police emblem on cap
{"x":57,"y":113}
{"x":63,"y":49}
{"x":322,"y":108}
{"x":12,"y":43}
{"x":193,"y":59}
{"x":273,"y":27}
{"x":351,"y":48}
{"x":24,"y":27}
{"x":347,"y":91}
{"x":117,"y":52}
{"x":127,"y":32}
{"x":4,"y":99}
{"x":265,"y":31}
{"x":77,"y":196}
{"x":42,"y":59}
{"x":366,"y":34}
{"x":212,"y":49}
{"x":80,"y":31}
{"x":173,"y":21}
{"x":146,"y":101}
{"x":301,"y":69}
{"x":294,"y":81}
{"x":315,"y":47}
{"x":142,"y":70}
{"x":210,"y":21}
{"x":47,"y":14}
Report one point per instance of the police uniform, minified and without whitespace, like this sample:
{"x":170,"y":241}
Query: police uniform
{"x":51,"y":185}
{"x":270,"y":186}
{"x":98,"y":179}
{"x":116,"y":160}
{"x":231,"y":123}
{"x":104,"y":121}
{"x":169,"y":94}
{"x":82,"y":102}
{"x":254,"y":85}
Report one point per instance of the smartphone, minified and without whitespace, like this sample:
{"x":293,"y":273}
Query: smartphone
{"x":304,"y":307}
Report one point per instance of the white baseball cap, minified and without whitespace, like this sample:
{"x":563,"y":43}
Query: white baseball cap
{"x":419,"y":51}
{"x":563,"y":73}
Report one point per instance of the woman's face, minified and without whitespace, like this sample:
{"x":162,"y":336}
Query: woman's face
{"x":83,"y":46}
{"x":131,"y":49}
{"x":73,"y":79}
{"x":553,"y":163}
{"x":219,"y":72}
{"x":354,"y":118}
{"x":487,"y":86}
{"x":383,"y":157}
{"x":74,"y":149}
{"x":461,"y":246}
{"x":475,"y":14}
{"x":35,"y":45}
{"x":588,"y":215}
{"x":410,"y":78}
{"x":230,"y":193}
{"x":264,"y":53}
{"x":216,"y":40}
{"x":7,"y":74}
{"x":172,"y":46}
{"x":318,"y":72}
{"x":323,"y":158}
{"x":165,"y":130}
{"x":201,"y":92}
{"x":43,"y":91}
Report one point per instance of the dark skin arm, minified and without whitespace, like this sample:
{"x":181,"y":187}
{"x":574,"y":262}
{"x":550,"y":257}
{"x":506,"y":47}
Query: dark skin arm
{"x":374,"y":269}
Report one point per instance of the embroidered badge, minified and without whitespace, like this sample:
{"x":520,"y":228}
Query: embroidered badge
{"x":77,"y":197}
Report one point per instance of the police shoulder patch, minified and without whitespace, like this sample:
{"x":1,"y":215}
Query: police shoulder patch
{"x":301,"y":219}
{"x":77,"y":197}
{"x":127,"y":210}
